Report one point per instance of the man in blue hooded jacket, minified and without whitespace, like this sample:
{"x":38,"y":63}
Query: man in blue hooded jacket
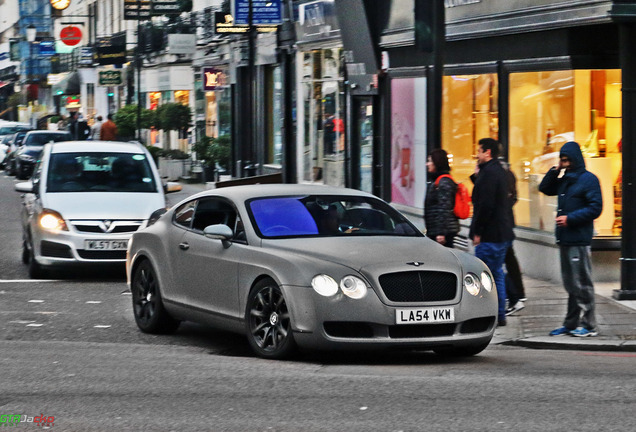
{"x":579,"y":203}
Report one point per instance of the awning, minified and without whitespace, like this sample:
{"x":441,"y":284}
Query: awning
{"x":69,"y":85}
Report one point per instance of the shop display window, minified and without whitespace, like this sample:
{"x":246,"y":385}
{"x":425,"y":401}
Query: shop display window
{"x":550,"y":108}
{"x":470,"y":112}
{"x":182,"y":97}
{"x":324,"y":122}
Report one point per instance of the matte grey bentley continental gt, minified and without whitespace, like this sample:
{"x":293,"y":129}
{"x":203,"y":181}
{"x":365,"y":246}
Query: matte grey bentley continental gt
{"x":308,"y":266}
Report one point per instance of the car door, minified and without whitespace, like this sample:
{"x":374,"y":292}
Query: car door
{"x":207,"y":268}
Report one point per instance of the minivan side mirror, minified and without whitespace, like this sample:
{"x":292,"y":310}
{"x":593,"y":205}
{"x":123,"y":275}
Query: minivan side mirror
{"x":24,"y":187}
{"x":171,"y":187}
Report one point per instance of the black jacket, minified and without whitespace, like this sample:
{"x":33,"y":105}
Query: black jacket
{"x":492,"y":209}
{"x":438,"y":207}
{"x":580,"y":198}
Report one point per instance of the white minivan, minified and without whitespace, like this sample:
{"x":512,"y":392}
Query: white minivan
{"x":85,"y":200}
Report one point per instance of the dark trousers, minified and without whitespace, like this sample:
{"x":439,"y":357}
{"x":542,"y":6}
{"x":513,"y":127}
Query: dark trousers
{"x":514,"y":289}
{"x":576,"y":271}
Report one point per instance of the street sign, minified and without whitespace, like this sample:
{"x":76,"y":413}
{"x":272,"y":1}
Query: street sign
{"x":47,"y":48}
{"x":224,"y":23}
{"x":137,"y":9}
{"x":71,"y":35}
{"x":263,"y":12}
{"x":110,"y":78}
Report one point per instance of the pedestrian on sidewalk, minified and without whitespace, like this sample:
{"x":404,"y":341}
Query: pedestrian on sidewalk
{"x":491,"y":228}
{"x":579,"y":202}
{"x":96,"y":129}
{"x":515,"y":291}
{"x":439,"y":217}
{"x":108,"y":131}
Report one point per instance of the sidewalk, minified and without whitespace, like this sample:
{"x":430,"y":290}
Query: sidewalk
{"x":545,"y":310}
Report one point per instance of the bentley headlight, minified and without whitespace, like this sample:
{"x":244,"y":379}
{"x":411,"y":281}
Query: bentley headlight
{"x":324,"y":285}
{"x":52,"y":221}
{"x":471,"y":283}
{"x":486,"y":281}
{"x":353,"y":287}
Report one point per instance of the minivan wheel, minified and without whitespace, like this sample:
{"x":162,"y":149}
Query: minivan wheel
{"x":150,"y":315}
{"x":25,"y":252}
{"x":268,"y":323}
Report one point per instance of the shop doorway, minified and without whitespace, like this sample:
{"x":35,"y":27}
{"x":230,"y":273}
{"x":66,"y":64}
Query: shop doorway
{"x":362,"y":145}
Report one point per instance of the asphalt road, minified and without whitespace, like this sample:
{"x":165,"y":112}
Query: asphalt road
{"x":69,"y":349}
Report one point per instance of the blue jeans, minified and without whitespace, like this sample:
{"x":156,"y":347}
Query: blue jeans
{"x":494,"y":255}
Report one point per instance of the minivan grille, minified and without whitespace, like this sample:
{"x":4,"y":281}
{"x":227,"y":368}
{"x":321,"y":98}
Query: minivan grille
{"x":419,"y":286}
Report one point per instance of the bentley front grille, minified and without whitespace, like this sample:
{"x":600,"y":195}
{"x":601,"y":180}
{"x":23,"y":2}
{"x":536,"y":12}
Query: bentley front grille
{"x":419,"y":286}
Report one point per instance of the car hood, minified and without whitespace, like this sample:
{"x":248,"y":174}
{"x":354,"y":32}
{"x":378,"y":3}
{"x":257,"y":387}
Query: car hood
{"x":104,"y":205}
{"x":366,"y":253}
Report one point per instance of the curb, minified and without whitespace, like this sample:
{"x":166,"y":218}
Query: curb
{"x":570,"y":343}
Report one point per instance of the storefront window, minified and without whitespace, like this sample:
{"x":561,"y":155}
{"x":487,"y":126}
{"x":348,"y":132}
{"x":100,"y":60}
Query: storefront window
{"x":550,"y":108}
{"x":155,"y":100}
{"x":182,"y":97}
{"x":408,"y":141}
{"x":275,"y":124}
{"x":323,"y":100}
{"x":470,"y":113}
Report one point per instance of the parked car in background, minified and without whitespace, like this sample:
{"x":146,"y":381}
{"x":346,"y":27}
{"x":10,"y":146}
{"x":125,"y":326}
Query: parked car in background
{"x":9,"y":128}
{"x":13,"y":142}
{"x":311,"y":266}
{"x":29,"y":152}
{"x":84,"y":202}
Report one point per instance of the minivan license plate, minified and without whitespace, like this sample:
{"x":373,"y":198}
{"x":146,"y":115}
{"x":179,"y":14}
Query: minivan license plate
{"x":106,"y":244}
{"x":425,"y":315}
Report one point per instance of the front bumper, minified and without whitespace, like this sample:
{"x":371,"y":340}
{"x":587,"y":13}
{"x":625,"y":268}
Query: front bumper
{"x":339,"y":322}
{"x":66,"y":248}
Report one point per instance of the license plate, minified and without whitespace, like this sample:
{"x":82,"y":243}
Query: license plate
{"x":106,"y":244}
{"x":425,"y":315}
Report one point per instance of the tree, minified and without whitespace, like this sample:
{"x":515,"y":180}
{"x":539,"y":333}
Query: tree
{"x":126,"y":120}
{"x":173,"y":116}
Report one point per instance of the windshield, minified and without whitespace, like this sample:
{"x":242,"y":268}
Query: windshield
{"x":43,"y":138}
{"x":100,"y":172}
{"x":327,"y":216}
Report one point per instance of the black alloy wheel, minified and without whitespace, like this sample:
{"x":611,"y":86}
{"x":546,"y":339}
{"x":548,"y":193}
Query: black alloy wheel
{"x":150,"y":315}
{"x":268,"y":322}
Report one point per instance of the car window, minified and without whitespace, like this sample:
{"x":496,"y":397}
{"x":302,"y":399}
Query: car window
{"x":183,"y":214}
{"x":213,"y":211}
{"x":43,"y":138}
{"x":327,"y":216}
{"x":100,"y":172}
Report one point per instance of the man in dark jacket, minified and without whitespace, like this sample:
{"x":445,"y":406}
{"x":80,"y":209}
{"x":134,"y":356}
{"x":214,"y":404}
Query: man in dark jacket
{"x":491,"y":228}
{"x":579,"y":203}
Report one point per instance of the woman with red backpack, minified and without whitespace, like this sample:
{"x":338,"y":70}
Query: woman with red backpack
{"x":442,"y":225}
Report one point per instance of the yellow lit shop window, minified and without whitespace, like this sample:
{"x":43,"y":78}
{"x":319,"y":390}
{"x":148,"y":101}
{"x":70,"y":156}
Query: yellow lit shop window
{"x":550,"y":108}
{"x":470,"y":113}
{"x":155,"y":100}
{"x":182,"y":97}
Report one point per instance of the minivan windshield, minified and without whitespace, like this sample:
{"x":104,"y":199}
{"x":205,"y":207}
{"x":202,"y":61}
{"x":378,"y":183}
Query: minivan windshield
{"x":100,"y":172}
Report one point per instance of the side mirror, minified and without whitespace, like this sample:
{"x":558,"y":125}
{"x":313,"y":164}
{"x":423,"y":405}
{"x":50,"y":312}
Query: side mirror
{"x":219,"y":231}
{"x":172,"y":187}
{"x":24,"y":187}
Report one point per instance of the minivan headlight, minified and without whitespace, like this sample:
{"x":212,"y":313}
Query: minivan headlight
{"x":52,"y":221}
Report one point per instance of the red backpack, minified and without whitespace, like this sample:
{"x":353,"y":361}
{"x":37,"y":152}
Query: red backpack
{"x":462,"y":198}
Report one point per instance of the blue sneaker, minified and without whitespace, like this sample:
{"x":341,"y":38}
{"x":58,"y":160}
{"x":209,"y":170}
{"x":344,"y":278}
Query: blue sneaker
{"x":561,"y":331}
{"x":583,"y":332}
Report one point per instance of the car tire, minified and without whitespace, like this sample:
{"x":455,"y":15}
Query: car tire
{"x":36,"y":271}
{"x":268,"y":323}
{"x":466,"y":351}
{"x":150,"y":314}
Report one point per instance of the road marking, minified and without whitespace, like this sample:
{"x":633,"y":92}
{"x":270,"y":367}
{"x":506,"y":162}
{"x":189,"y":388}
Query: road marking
{"x":36,"y":301}
{"x":34,"y":325}
{"x":93,"y":302}
{"x":21,"y":322}
{"x":27,"y":280}
{"x":102,"y":326}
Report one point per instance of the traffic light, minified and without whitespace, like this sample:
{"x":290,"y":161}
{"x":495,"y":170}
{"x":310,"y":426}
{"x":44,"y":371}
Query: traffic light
{"x":110,"y":94}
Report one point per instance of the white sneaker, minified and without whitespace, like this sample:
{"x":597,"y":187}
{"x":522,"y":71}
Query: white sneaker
{"x":516,"y":308}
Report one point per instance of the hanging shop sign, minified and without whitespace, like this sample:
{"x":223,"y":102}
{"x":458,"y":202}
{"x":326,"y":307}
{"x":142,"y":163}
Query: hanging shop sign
{"x":47,"y":48}
{"x":182,"y":43}
{"x":111,"y":50}
{"x":263,"y":12}
{"x":213,"y":78}
{"x":317,"y":20}
{"x":71,"y":35}
{"x":110,"y":78}
{"x":137,"y":9}
{"x":85,"y":56}
{"x":224,"y":23}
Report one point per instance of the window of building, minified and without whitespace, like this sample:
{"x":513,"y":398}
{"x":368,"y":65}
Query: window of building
{"x":275,"y":122}
{"x":550,"y":108}
{"x":323,"y":99}
{"x":182,"y":97}
{"x":470,"y":112}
